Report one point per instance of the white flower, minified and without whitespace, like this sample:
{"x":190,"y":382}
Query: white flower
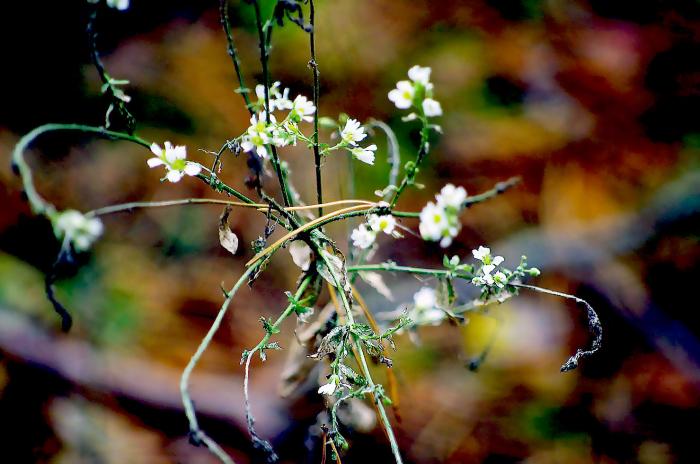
{"x":451,"y":197}
{"x":278,"y":100}
{"x":363,"y":237}
{"x":432,"y":107}
{"x":366,"y":155}
{"x":118,"y":4}
{"x":174,"y":160}
{"x":258,"y":135}
{"x":433,"y":221}
{"x":77,"y":229}
{"x":500,"y":279}
{"x":301,"y":254}
{"x":385,"y":223}
{"x":302,"y":109}
{"x":483,"y":254}
{"x":329,"y":388}
{"x":402,"y":95}
{"x":353,"y":132}
{"x":420,"y":75}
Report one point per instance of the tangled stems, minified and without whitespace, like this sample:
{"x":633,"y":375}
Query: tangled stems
{"x":270,"y":329}
{"x":197,"y":435}
{"x":363,"y":361}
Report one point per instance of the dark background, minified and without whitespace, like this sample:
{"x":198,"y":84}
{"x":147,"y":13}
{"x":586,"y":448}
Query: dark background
{"x":593,"y":103}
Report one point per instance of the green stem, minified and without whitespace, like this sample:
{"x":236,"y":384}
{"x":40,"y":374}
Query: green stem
{"x":391,"y":267}
{"x":314,"y":67}
{"x":363,"y":362}
{"x":232,"y":52}
{"x":412,"y":168}
{"x":286,"y":195}
{"x":197,"y":435}
{"x":37,"y":203}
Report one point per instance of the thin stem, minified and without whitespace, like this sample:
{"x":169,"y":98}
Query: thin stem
{"x":594,"y":325}
{"x":363,"y":362}
{"x":37,"y":203}
{"x":257,"y":441}
{"x":309,"y":225}
{"x":412,"y":168}
{"x":314,"y":67}
{"x":286,"y":196}
{"x":162,"y":204}
{"x":197,"y":435}
{"x":394,"y":152}
{"x":233,"y":53}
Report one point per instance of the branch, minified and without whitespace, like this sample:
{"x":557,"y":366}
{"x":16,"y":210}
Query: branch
{"x":594,"y":326}
{"x":314,"y":67}
{"x":231,"y":48}
{"x":197,"y":435}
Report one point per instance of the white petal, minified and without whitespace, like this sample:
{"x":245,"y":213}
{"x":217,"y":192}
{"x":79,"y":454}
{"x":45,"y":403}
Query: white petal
{"x":192,"y":169}
{"x":153,"y":162}
{"x":155,"y":148}
{"x":174,"y":176}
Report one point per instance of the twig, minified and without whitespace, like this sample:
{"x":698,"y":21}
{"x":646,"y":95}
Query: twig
{"x":197,"y":435}
{"x":232,"y":52}
{"x":314,"y":67}
{"x":594,"y":325}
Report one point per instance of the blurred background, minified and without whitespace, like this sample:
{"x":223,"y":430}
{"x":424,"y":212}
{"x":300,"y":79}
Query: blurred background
{"x":593,"y":103}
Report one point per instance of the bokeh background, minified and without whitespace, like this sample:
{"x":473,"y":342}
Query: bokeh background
{"x":593,"y":103}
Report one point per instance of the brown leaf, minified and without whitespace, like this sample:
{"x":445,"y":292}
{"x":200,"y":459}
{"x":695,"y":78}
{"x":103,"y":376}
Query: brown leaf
{"x":227,"y":238}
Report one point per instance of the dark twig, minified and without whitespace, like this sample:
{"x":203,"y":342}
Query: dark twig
{"x":594,"y":326}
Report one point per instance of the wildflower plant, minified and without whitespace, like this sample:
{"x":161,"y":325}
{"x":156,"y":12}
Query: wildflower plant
{"x":351,"y":339}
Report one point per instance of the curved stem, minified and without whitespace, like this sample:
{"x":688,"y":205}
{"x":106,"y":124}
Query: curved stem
{"x":197,"y":435}
{"x":37,"y":203}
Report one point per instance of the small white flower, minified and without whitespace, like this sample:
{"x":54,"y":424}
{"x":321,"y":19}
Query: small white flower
{"x":302,"y":109}
{"x":425,"y":310}
{"x":481,"y":253}
{"x":79,"y":230}
{"x":433,"y":221}
{"x":366,"y":155}
{"x":278,"y":100}
{"x":118,"y":4}
{"x":363,"y":237}
{"x":451,"y":197}
{"x":353,"y":132}
{"x":175,"y":161}
{"x":329,"y":388}
{"x":500,"y":279}
{"x":258,"y":135}
{"x":402,"y":95}
{"x":419,"y":74}
{"x":432,"y":107}
{"x":385,"y":223}
{"x":301,"y":254}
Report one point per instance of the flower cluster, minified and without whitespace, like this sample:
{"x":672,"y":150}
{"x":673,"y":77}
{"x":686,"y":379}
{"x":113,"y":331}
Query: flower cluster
{"x":439,"y":221}
{"x":364,"y":236}
{"x":264,"y":132}
{"x":489,"y":264}
{"x":77,"y":229}
{"x":175,"y":161}
{"x":416,"y":93}
{"x":352,"y":133}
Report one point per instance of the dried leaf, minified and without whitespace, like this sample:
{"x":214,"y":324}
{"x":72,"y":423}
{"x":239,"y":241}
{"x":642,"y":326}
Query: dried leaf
{"x":301,"y":254}
{"x":376,"y":280}
{"x":227,"y":238}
